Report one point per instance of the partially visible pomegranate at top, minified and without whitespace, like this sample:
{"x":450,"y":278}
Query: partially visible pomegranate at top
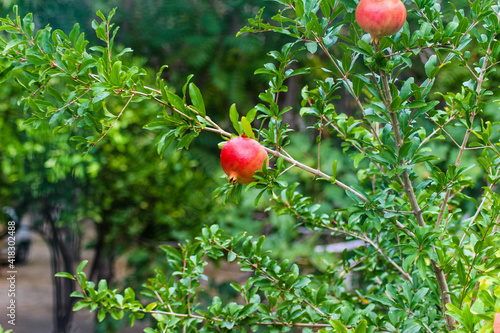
{"x":496,"y":323}
{"x":240,"y":158}
{"x":380,"y":18}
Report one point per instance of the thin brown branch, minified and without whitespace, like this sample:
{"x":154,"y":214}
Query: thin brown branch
{"x":73,"y":101}
{"x":343,"y":77}
{"x":480,"y":81}
{"x":372,"y":243}
{"x":114,"y":122}
{"x":317,"y":173}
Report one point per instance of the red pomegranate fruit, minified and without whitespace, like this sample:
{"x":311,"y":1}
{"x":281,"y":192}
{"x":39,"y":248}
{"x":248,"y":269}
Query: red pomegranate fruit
{"x":240,"y":158}
{"x":380,"y":17}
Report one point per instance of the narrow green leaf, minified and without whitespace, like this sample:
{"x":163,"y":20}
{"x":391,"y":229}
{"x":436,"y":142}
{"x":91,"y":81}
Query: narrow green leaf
{"x":80,"y":305}
{"x":156,"y":125}
{"x":231,"y":256}
{"x":150,"y":307}
{"x":430,"y":64}
{"x":101,"y":314}
{"x":247,"y":128}
{"x":197,"y":99}
{"x":111,"y":14}
{"x":77,"y":294}
{"x":361,"y":328}
{"x":334,"y":170}
{"x":234,"y":116}
{"x":321,"y":294}
{"x":176,"y":101}
{"x":312,"y":47}
{"x":101,"y":15}
{"x":115,"y":73}
{"x":83,"y":263}
{"x":28,"y":24}
{"x":186,"y":140}
{"x":65,"y":275}
{"x":184,"y":88}
{"x":339,"y":327}
{"x":251,"y":114}
{"x":103,"y":285}
{"x":75,"y":32}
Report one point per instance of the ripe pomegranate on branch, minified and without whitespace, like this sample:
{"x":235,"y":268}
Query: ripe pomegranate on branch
{"x":241,"y":157}
{"x":380,"y":18}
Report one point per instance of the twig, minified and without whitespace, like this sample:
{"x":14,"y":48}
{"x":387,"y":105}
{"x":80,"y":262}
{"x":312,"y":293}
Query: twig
{"x":73,"y":102}
{"x":372,"y":243}
{"x":116,"y":119}
{"x":317,"y":173}
{"x":343,"y":77}
{"x":478,"y":211}
{"x":480,"y":81}
{"x":440,"y":127}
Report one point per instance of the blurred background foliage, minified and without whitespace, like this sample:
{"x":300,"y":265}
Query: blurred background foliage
{"x":139,"y":200}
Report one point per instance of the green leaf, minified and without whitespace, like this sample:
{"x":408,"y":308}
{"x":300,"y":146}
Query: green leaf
{"x":334,"y":170}
{"x":184,"y":88}
{"x":416,"y":105}
{"x":75,"y":32}
{"x":231,"y":256}
{"x":101,"y":15}
{"x":321,"y":294}
{"x":77,"y":294}
{"x":357,"y":85}
{"x":164,"y":140}
{"x":462,"y":275}
{"x":186,"y":140}
{"x":251,"y":114}
{"x":101,"y":314}
{"x":350,"y":5}
{"x":301,"y":282}
{"x":430,"y":64}
{"x":247,"y":128}
{"x":115,"y":73}
{"x":100,"y":96}
{"x":197,"y":99}
{"x":234,"y":116}
{"x":383,"y":300}
{"x":28,"y":24}
{"x":409,"y":261}
{"x":82,"y":264}
{"x":361,"y":328}
{"x":312,"y":47}
{"x":65,"y":275}
{"x":422,"y":268}
{"x":339,"y":327}
{"x":102,"y":286}
{"x":80,"y":305}
{"x":176,"y":102}
{"x":150,"y":307}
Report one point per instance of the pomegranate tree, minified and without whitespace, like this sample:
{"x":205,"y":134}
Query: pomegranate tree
{"x":240,"y":158}
{"x":380,"y":17}
{"x":426,"y":227}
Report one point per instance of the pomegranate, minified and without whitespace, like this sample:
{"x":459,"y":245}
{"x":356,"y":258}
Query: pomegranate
{"x":240,"y":158}
{"x":496,"y":323}
{"x":380,"y":17}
